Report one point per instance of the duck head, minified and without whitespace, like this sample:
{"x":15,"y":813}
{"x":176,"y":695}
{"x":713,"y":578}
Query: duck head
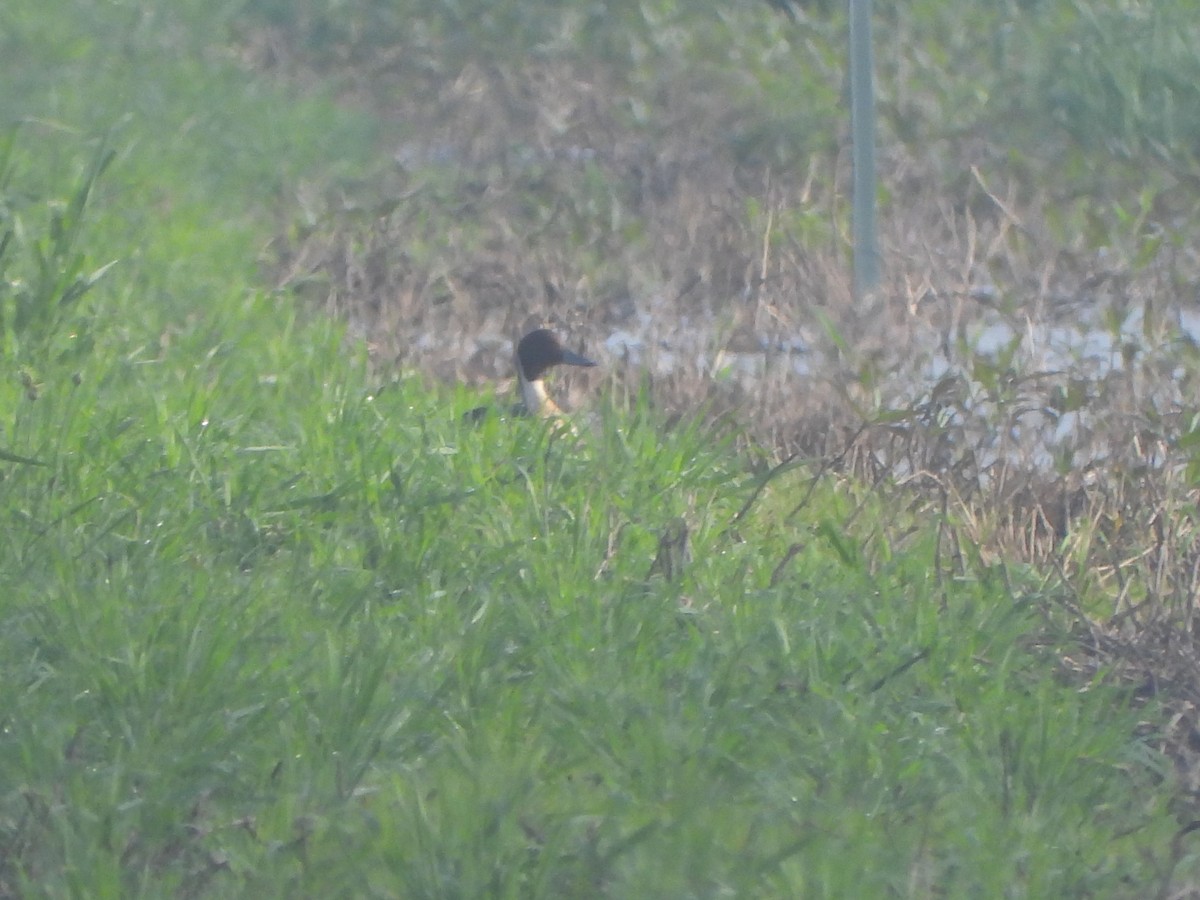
{"x":538,"y":352}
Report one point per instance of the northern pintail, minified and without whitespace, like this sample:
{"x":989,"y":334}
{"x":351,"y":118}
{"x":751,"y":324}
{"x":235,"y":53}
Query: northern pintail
{"x":537,"y":353}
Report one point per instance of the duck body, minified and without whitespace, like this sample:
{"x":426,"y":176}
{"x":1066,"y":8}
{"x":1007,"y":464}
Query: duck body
{"x":538,"y":352}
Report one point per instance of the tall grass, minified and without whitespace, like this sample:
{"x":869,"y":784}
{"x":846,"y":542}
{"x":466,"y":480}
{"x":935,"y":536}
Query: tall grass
{"x":269,"y":630}
{"x":272,"y":623}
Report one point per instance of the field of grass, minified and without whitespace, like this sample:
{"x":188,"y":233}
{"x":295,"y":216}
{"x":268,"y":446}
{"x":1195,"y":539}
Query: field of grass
{"x":275,"y":622}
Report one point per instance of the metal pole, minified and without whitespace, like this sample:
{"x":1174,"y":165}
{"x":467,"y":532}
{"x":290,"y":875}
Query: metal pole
{"x":862,"y":130}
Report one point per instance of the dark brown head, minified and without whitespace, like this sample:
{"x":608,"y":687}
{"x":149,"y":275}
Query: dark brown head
{"x":541,"y":349}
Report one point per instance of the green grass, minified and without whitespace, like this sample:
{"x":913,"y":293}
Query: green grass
{"x":267,"y":629}
{"x":277,"y":635}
